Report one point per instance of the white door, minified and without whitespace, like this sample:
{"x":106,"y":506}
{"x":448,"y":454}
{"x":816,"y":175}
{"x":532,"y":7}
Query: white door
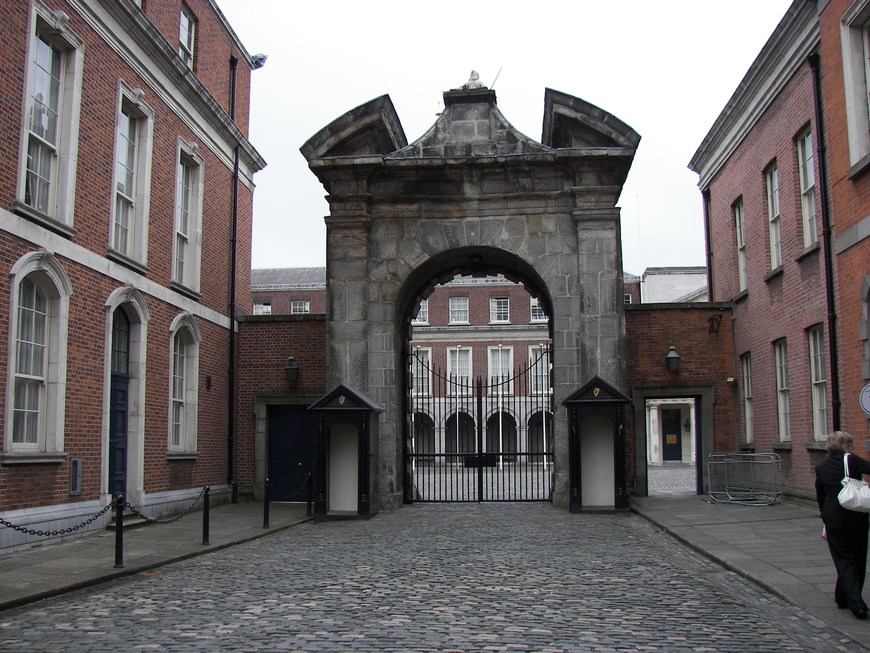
{"x":343,"y":469}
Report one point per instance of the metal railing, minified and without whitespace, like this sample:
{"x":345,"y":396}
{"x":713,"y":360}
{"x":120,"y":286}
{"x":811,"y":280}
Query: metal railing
{"x":120,"y":504}
{"x":752,"y":479}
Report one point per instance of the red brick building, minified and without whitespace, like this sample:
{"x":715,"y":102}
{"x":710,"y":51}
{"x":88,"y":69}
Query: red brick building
{"x":122,"y":128}
{"x":785,"y":189}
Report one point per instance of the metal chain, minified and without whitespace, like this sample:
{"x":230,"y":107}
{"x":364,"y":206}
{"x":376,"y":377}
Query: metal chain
{"x":151,"y":520}
{"x":64,"y":531}
{"x":301,"y":487}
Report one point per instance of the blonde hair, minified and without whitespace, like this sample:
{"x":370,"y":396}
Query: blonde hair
{"x":840,"y":442}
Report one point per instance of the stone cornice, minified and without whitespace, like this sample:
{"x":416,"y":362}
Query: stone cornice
{"x":169,"y":75}
{"x":785,"y":52}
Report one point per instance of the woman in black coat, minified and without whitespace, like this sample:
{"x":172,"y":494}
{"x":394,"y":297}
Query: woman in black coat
{"x":846,"y":530}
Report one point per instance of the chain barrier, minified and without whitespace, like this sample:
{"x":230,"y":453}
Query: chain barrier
{"x":63,"y":531}
{"x":151,"y":520}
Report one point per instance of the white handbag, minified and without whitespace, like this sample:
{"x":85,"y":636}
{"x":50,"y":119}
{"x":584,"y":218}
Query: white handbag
{"x":855,"y":494}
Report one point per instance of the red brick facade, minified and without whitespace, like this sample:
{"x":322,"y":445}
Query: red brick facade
{"x":35,"y":480}
{"x":787,"y":304}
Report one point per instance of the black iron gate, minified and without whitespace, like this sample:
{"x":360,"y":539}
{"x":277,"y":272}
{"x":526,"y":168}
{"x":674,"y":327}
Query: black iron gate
{"x":473,"y":440}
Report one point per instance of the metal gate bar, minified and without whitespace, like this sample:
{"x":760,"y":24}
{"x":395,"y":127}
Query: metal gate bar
{"x":465,"y":435}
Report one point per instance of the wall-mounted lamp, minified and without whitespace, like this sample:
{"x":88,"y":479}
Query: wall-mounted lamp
{"x":673,"y":359}
{"x":291,"y":369}
{"x":687,"y":425}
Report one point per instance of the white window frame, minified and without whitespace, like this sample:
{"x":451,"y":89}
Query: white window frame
{"x":183,"y":385}
{"x":539,"y":370}
{"x":855,"y":43}
{"x":46,"y":272}
{"x":137,"y":198}
{"x":187,"y":27}
{"x":499,"y":310}
{"x":300,"y":307}
{"x":807,"y":175}
{"x":783,"y":412}
{"x":422,"y":316}
{"x":501,"y":366}
{"x":536,"y":311}
{"x":262,"y":308}
{"x":458,"y":310}
{"x":818,"y":381}
{"x":740,"y":230}
{"x":51,"y":27}
{"x":459,"y":375}
{"x":771,"y":183}
{"x":189,"y":256}
{"x":421,"y":384}
{"x":748,"y":409}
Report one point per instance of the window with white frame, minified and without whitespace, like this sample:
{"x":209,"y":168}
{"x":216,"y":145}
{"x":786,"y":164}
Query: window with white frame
{"x":187,"y":36}
{"x":184,"y":385}
{"x":499,"y":310}
{"x":300,"y":306}
{"x":748,"y":412}
{"x":262,"y":308}
{"x":421,"y":371}
{"x":855,"y":40}
{"x":50,"y":135}
{"x":188,"y":217}
{"x":501,"y":363}
{"x":772,"y":185}
{"x":819,"y":381}
{"x":740,"y":229}
{"x":459,"y":369}
{"x":807,"y":175}
{"x":38,"y":323}
{"x":539,"y":364}
{"x":132,"y":176}
{"x":626,"y":298}
{"x":780,"y":351}
{"x":459,"y":310}
{"x":422,"y":316}
{"x":537,"y":312}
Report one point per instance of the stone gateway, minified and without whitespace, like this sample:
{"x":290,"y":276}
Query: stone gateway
{"x":472,"y":196}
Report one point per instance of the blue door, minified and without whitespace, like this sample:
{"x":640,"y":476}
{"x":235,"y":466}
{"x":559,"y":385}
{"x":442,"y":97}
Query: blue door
{"x":119,"y":402}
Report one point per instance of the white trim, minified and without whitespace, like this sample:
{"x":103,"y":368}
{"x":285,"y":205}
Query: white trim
{"x":139,"y":318}
{"x":122,"y":275}
{"x":53,"y":411}
{"x":185,"y":323}
{"x":852,"y":27}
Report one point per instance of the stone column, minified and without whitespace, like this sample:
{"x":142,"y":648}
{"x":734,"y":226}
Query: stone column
{"x":346,"y":266}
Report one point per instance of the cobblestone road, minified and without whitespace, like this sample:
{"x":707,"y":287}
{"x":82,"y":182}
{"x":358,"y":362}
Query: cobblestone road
{"x":453,"y":577}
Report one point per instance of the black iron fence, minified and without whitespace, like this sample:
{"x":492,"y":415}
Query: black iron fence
{"x":476,"y":439}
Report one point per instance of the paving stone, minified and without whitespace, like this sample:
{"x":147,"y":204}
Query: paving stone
{"x":454,"y":577}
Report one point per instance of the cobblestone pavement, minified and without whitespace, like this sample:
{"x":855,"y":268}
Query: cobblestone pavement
{"x":450,"y":577}
{"x":671,"y":479}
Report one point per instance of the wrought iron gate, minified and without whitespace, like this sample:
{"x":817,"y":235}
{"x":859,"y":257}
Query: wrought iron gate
{"x":472,"y":440}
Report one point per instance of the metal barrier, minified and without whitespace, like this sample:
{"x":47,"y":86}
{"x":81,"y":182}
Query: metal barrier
{"x":752,"y":479}
{"x":119,"y":503}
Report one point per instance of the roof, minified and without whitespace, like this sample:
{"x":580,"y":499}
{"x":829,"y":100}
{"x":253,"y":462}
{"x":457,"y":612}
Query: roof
{"x":288,"y":278}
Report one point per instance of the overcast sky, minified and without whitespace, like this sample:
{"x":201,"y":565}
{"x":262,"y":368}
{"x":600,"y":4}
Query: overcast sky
{"x":664,"y":67}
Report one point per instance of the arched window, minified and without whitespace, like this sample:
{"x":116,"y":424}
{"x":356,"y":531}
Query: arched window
{"x":183,"y":385}
{"x":38,"y":323}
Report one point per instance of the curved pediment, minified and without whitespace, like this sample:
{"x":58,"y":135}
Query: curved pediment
{"x":570,"y":122}
{"x":371,"y":128}
{"x":471,"y":125}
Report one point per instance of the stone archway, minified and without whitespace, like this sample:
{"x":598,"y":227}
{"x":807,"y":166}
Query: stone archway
{"x":472,"y":195}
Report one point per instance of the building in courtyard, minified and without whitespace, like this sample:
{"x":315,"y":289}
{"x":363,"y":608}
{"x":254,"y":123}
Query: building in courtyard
{"x":125,"y":223}
{"x":784,"y":178}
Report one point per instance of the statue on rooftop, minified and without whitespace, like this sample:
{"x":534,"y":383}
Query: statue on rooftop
{"x":473,"y":82}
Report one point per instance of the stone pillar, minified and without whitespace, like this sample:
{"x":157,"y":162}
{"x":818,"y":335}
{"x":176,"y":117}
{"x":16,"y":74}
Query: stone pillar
{"x":347,"y":336}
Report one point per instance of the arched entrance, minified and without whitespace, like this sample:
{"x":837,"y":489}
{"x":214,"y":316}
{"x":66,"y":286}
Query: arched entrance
{"x":472,"y":196}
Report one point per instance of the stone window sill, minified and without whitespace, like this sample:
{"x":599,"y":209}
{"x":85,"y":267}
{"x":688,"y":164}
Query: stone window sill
{"x":773,"y":274}
{"x":30,"y":458}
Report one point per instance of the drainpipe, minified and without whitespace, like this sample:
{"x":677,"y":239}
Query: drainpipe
{"x":231,"y":427}
{"x":705,"y":198}
{"x":813,"y":61}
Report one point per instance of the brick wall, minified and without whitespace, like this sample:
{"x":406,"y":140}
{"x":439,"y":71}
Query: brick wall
{"x":264,"y":343}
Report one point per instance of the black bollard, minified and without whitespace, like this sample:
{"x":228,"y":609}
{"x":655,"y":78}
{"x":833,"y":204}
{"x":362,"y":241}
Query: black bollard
{"x":205,"y":516}
{"x":119,"y":531}
{"x":266,"y":492}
